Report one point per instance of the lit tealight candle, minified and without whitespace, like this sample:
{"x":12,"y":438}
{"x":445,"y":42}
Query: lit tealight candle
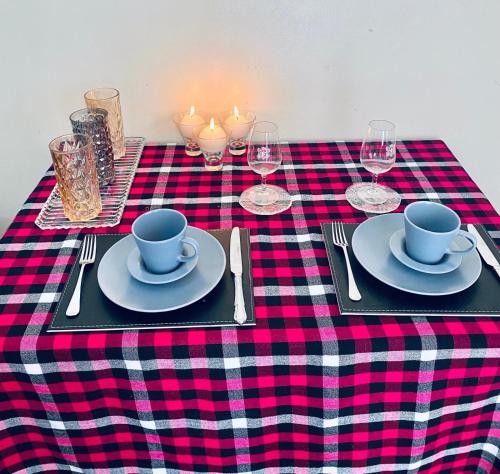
{"x":236,"y":118}
{"x":213,"y":138}
{"x":238,"y":124}
{"x":190,"y":122}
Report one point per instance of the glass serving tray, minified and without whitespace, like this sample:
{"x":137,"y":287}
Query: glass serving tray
{"x":113,"y":197}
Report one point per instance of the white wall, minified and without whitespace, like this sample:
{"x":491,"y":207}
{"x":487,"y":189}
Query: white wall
{"x":321,"y":69}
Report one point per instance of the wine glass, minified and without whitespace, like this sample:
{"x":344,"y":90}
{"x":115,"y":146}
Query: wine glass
{"x":378,"y":155}
{"x":264,"y":157}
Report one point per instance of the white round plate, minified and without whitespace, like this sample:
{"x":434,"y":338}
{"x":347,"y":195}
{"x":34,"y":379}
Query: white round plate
{"x":124,"y":290}
{"x":370,"y":244}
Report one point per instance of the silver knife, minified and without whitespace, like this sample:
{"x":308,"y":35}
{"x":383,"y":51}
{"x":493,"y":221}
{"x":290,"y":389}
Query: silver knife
{"x":240,"y":315}
{"x":484,"y":250}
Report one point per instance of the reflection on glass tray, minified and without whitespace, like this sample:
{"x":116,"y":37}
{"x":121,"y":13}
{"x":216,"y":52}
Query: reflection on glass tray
{"x":113,"y":197}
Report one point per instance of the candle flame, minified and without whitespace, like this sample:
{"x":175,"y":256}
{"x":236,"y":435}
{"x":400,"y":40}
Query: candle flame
{"x":191,"y":111}
{"x":236,"y":112}
{"x":212,"y":123}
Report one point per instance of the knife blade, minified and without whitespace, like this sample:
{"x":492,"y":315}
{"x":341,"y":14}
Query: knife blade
{"x":484,"y":250}
{"x":240,"y":315}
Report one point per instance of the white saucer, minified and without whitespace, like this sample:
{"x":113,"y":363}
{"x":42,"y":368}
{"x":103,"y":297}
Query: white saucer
{"x":370,"y":244}
{"x":138,"y":270}
{"x":447,"y":264}
{"x":124,"y":290}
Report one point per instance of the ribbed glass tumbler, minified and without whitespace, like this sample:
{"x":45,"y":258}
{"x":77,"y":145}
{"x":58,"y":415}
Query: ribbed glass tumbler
{"x":109,"y":100}
{"x":94,"y":124}
{"x":74,"y":166}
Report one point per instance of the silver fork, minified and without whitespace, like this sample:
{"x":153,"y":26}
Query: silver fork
{"x":340,"y":240}
{"x":87,"y":256}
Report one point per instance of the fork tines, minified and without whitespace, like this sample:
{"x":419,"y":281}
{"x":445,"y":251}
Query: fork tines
{"x":89,"y":248}
{"x":339,"y":233}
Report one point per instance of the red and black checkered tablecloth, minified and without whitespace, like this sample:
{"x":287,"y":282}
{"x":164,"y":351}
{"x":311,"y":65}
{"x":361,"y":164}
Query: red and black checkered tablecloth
{"x":306,"y":390}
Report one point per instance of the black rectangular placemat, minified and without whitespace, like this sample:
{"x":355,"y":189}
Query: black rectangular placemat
{"x":97,"y":313}
{"x":481,"y":299}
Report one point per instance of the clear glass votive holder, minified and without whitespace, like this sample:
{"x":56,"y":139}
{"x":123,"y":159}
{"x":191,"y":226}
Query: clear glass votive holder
{"x":108,"y":99}
{"x":189,"y":124}
{"x":76,"y":175}
{"x":94,"y":123}
{"x":213,"y":149}
{"x":237,"y":124}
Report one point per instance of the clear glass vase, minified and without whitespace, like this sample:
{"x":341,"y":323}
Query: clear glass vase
{"x":75,"y":170}
{"x":109,"y":100}
{"x":94,"y":124}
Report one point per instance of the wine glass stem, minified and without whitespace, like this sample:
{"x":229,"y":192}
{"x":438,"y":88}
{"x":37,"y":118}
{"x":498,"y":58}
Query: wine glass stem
{"x":374,"y":182}
{"x":263,"y":180}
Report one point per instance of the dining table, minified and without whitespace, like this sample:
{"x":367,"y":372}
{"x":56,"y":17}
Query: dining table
{"x":305,"y":390}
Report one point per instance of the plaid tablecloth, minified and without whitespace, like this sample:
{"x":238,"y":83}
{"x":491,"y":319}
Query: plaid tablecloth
{"x":306,"y":390}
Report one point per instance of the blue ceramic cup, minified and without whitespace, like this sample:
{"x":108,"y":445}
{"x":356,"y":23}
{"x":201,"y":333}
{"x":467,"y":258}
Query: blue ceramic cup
{"x":160,"y":235}
{"x":430,"y":228}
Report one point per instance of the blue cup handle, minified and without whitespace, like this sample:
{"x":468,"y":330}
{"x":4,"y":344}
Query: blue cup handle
{"x":470,"y":237}
{"x":192,"y":243}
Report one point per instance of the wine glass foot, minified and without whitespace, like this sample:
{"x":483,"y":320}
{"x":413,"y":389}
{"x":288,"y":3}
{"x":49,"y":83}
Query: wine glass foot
{"x":278,"y":201}
{"x":376,"y":199}
{"x":263,"y":195}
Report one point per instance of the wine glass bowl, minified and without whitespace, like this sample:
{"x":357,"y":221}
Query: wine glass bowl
{"x":377,"y":155}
